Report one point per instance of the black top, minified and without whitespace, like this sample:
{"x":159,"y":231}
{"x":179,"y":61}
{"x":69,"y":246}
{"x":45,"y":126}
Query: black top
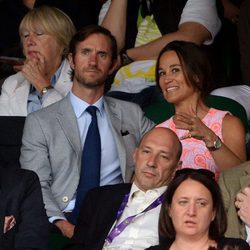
{"x":233,"y":243}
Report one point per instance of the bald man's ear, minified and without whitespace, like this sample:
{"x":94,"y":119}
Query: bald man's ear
{"x":179,"y":165}
{"x":135,"y":155}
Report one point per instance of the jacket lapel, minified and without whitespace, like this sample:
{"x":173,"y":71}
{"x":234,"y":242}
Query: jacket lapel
{"x":115,"y":122}
{"x":245,"y":176}
{"x":67,"y":120}
{"x":64,"y":83}
{"x":20,"y":93}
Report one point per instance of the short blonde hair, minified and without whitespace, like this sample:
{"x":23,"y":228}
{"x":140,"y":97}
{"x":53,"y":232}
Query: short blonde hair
{"x":52,"y":21}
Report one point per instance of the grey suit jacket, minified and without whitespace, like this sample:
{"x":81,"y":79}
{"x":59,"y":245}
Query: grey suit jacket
{"x":231,"y":182}
{"x":52,"y":146}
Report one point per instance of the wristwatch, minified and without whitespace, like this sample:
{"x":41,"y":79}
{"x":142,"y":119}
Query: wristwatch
{"x":217,"y":144}
{"x":125,"y":58}
{"x":45,"y":90}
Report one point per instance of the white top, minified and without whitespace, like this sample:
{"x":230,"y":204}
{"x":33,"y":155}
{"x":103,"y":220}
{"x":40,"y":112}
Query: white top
{"x":143,"y":231}
{"x":239,"y":93}
{"x":139,"y":75}
{"x":203,"y":12}
{"x":248,"y":234}
{"x":16,"y":89}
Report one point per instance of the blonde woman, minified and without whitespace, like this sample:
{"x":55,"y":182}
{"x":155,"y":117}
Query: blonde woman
{"x":44,"y":77}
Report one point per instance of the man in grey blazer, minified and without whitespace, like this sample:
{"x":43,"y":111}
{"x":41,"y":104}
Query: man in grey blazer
{"x":54,"y":136}
{"x":233,"y":184}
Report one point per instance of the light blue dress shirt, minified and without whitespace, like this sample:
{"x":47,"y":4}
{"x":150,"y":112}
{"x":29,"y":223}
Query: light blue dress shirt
{"x":110,"y":164}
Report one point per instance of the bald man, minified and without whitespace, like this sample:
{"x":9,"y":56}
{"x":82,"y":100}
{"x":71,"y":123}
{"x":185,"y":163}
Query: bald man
{"x":127,"y":215}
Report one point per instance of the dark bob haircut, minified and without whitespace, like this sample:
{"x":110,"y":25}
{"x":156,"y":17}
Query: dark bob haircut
{"x":194,"y":62}
{"x":218,"y":226}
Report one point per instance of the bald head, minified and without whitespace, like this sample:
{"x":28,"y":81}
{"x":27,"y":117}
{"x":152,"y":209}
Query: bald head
{"x":166,"y":136}
{"x":156,"y":158}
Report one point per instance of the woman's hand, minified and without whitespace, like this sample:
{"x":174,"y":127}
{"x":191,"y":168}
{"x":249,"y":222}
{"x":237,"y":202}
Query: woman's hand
{"x":195,"y":126}
{"x":34,"y":70}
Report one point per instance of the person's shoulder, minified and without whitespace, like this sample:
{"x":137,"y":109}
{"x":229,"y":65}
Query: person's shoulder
{"x":120,"y":103}
{"x":19,"y":173}
{"x":109,"y":189}
{"x":159,"y":247}
{"x":240,"y":170}
{"x":13,"y":80}
{"x":233,"y":242}
{"x":49,"y":110}
{"x":16,"y":177}
{"x":107,"y":194}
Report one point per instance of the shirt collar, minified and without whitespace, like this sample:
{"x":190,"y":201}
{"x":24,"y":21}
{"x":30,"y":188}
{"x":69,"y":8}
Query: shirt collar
{"x":80,"y":106}
{"x":135,"y":190}
{"x":56,"y":76}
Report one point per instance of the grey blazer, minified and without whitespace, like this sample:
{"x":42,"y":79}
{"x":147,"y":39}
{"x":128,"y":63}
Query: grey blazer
{"x":231,"y":182}
{"x":52,"y":146}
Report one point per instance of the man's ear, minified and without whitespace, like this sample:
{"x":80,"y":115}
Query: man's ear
{"x":71,"y":61}
{"x":114,"y":66}
{"x":179,"y":164}
{"x":135,"y":155}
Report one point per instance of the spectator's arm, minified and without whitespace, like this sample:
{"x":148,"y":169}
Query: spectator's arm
{"x":115,"y":21}
{"x":33,"y":228}
{"x":189,"y":31}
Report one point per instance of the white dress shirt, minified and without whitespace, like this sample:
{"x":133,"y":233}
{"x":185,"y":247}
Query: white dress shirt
{"x":143,"y":231}
{"x":248,"y":234}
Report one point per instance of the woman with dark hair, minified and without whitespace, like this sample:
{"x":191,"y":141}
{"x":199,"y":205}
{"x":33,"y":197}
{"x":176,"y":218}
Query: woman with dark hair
{"x":192,"y":214}
{"x":211,"y":139}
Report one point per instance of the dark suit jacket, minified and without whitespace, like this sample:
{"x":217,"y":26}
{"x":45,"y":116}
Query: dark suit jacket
{"x":97,"y":216}
{"x":20,"y":196}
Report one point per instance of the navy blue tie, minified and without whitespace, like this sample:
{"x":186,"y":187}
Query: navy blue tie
{"x":91,"y":161}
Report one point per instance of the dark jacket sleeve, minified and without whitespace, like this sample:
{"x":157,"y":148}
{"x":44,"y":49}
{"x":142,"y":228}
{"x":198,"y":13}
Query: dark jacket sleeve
{"x":97,"y":216}
{"x":32,"y":228}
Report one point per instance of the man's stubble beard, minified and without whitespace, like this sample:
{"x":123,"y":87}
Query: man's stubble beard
{"x":88,"y":83}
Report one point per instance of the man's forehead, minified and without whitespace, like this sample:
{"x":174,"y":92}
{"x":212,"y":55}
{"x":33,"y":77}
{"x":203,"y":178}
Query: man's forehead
{"x":159,"y":141}
{"x":95,"y":40}
{"x":157,"y":147}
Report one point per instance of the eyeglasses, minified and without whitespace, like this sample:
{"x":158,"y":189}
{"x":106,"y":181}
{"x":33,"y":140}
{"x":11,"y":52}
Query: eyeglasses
{"x":202,"y":171}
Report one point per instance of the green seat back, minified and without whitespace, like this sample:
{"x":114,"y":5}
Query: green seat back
{"x":162,"y":110}
{"x":57,"y":241}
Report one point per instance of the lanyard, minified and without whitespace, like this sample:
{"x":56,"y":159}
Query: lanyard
{"x":120,"y":227}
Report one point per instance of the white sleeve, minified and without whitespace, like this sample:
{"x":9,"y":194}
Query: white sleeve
{"x":248,"y":234}
{"x":203,"y":12}
{"x":103,"y":11}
